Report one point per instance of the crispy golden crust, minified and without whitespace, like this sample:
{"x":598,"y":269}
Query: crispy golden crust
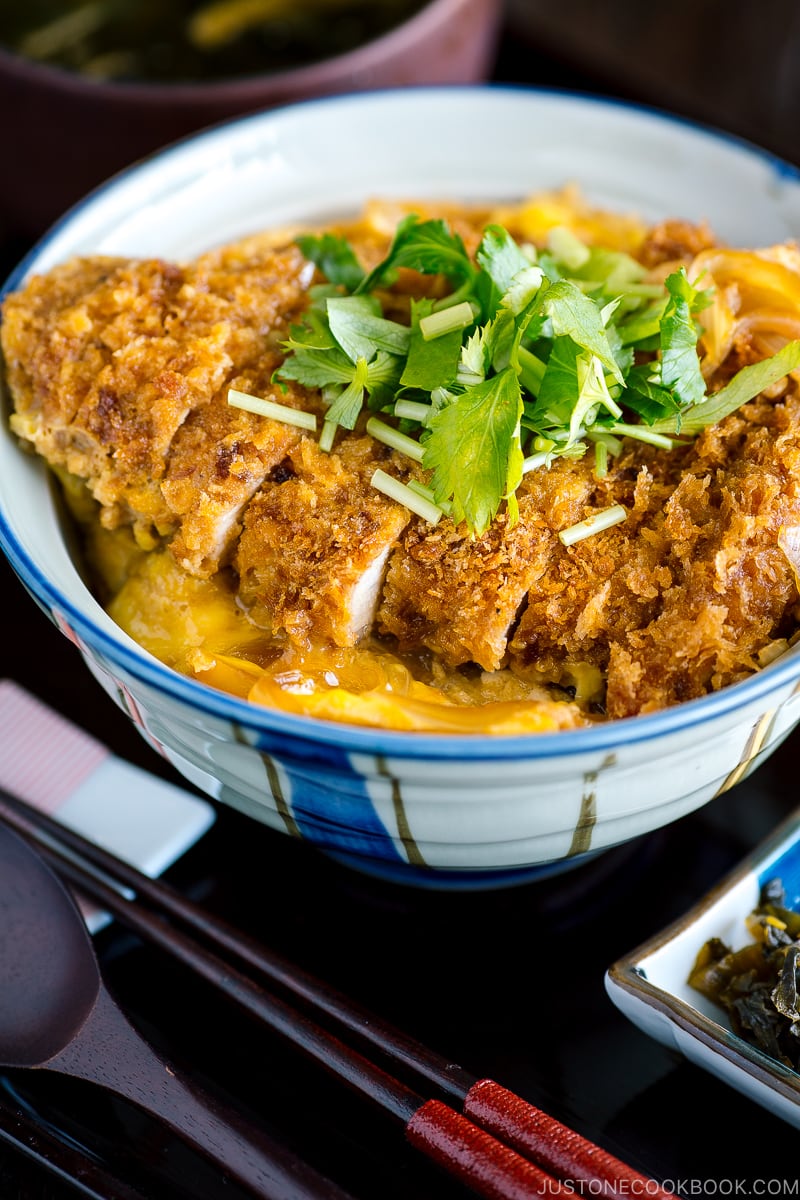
{"x":219,"y":458}
{"x":679,"y":598}
{"x":674,"y":241}
{"x":107,"y":358}
{"x":459,"y":596}
{"x":312,"y":552}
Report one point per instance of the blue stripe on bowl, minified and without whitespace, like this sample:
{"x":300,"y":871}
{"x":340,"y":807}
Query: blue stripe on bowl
{"x":333,"y":809}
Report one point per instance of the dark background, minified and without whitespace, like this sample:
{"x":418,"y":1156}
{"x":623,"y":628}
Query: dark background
{"x":507,"y":983}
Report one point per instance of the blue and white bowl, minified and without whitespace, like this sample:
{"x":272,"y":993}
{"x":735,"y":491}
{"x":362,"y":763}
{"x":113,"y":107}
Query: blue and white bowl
{"x":649,"y":985}
{"x":428,"y":809}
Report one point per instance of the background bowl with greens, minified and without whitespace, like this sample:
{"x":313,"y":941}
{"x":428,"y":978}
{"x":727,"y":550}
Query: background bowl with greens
{"x":96,"y":84}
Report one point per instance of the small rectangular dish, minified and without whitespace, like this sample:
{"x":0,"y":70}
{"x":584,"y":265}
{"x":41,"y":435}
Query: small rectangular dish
{"x":650,"y":984}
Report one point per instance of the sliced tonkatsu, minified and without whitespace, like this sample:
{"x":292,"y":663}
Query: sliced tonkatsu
{"x":313,"y":550}
{"x":120,"y":373}
{"x":459,"y":596}
{"x":219,"y":458}
{"x":107,"y":358}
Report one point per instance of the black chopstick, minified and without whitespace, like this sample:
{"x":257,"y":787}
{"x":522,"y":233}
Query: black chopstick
{"x":463,"y":1149}
{"x":532,"y":1148}
{"x":61,"y":1159}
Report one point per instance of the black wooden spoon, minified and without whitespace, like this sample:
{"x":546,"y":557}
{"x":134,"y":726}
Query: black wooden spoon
{"x":56,"y":1014}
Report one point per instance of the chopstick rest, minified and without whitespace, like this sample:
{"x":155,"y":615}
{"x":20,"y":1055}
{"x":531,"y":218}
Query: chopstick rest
{"x":64,"y":772}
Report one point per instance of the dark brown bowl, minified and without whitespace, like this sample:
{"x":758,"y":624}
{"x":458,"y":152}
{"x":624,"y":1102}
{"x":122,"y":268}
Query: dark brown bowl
{"x":62,"y":134}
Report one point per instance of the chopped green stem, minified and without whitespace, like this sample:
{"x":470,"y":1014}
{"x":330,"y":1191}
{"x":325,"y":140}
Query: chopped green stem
{"x":532,"y":370}
{"x":600,"y":459}
{"x":326,"y":438}
{"x":648,"y":290}
{"x":569,"y":249}
{"x":394,"y":438}
{"x":413,"y":410}
{"x":395,"y":489}
{"x":643,"y":434}
{"x":422,"y":489}
{"x":269,"y":408}
{"x":534,"y":461}
{"x":459,"y":316}
{"x":466,"y":377}
{"x":598,"y":521}
{"x":612,"y":406}
{"x":612,"y":444}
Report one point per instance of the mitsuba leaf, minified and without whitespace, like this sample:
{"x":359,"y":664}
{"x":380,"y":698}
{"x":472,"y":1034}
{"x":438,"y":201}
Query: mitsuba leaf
{"x":612,"y":270}
{"x":313,"y":333}
{"x":335,"y":258}
{"x":347,"y":406}
{"x":559,"y":387}
{"x":500,"y":338}
{"x":315,"y":367}
{"x":623,"y":355}
{"x":516,"y":314}
{"x":646,"y":397}
{"x":434,"y":363}
{"x":426,"y":246}
{"x":680,"y":365}
{"x":360,"y":330}
{"x":643,"y":328}
{"x":470,"y":447}
{"x":475,"y":355}
{"x":746,"y":384}
{"x":521,"y":293}
{"x":383,"y":379}
{"x":592,"y":396}
{"x":501,"y":257}
{"x":575,"y":315}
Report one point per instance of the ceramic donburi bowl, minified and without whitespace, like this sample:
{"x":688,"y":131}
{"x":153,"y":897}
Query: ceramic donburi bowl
{"x":450,"y":811}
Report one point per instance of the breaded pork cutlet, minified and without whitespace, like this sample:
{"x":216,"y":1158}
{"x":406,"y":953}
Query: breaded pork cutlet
{"x":314,"y":546}
{"x":106,"y":358}
{"x":219,"y":458}
{"x":459,"y":596}
{"x":676,"y":600}
{"x":592,"y":592}
{"x":681,"y":596}
{"x":120,"y":372}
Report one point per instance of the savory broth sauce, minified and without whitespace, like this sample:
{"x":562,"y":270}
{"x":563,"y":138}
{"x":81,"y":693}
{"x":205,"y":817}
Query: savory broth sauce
{"x":185,"y":41}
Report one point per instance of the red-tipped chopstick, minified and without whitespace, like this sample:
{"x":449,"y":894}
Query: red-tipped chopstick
{"x":498,"y":1144}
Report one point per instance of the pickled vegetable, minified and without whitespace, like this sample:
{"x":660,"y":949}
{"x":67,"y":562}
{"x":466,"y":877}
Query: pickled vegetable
{"x":757,"y":985}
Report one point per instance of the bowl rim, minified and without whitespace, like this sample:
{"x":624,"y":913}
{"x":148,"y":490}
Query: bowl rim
{"x":140,"y":665}
{"x":319,"y":73}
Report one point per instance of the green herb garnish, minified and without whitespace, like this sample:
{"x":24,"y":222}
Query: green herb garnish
{"x":526,"y":358}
